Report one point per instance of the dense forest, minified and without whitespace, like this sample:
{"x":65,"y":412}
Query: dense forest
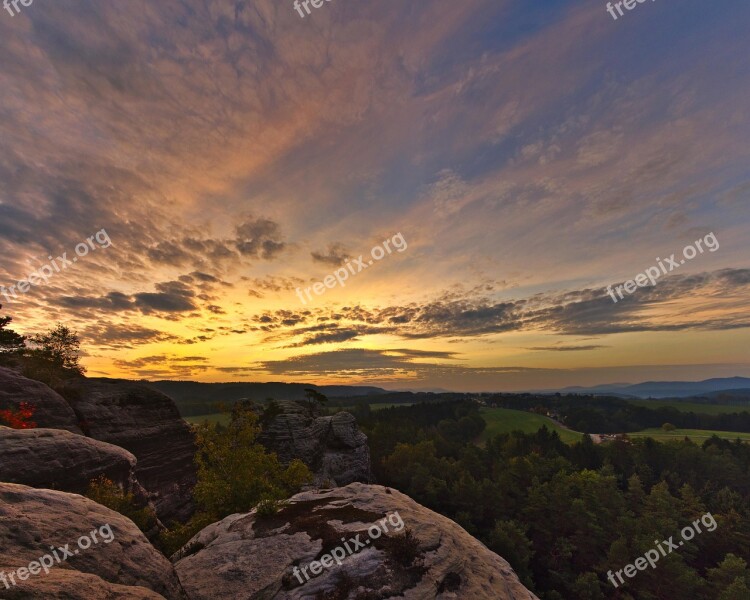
{"x":590,"y":414}
{"x":564,"y":515}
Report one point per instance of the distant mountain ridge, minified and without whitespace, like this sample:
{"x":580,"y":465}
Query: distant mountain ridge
{"x":664,"y":389}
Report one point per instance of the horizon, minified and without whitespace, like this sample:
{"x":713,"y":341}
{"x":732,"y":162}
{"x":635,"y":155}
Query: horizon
{"x":192,"y":185}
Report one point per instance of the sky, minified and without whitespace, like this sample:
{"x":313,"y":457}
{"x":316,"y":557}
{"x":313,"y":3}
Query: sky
{"x":221,"y":157}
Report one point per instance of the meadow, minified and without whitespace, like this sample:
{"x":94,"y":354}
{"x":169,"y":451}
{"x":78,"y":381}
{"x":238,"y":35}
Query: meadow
{"x":504,"y":420}
{"x":696,"y":435}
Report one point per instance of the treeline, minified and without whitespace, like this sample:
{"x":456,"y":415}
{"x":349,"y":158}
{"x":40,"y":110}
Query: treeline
{"x":590,"y":414}
{"x":396,"y":398}
{"x":450,"y":424}
{"x":564,"y":515}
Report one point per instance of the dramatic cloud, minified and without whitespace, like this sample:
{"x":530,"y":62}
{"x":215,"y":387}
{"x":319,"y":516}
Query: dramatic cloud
{"x":235,"y":152}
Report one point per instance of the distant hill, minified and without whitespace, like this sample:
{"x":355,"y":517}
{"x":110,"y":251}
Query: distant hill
{"x":665,"y":389}
{"x":193,"y":398}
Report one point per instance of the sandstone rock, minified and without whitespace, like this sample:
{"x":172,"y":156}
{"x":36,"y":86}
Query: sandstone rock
{"x":146,"y":423}
{"x":58,"y":459}
{"x":51,"y":409}
{"x":127,"y":567}
{"x":247,"y":556}
{"x":333,"y":447}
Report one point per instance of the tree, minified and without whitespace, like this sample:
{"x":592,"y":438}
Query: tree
{"x":270,"y":411}
{"x":668,"y":427}
{"x":54,"y":356}
{"x":62,"y":347}
{"x":235,"y":472}
{"x":10,"y":341}
{"x":314,"y":399}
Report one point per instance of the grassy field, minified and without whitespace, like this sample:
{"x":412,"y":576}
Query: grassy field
{"x":706,"y":409}
{"x":696,"y":435}
{"x":503,"y":420}
{"x":222,"y":418}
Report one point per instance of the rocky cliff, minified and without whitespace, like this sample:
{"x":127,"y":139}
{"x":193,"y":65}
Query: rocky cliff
{"x":248,"y":556}
{"x":125,"y":567}
{"x":51,"y":409}
{"x":60,"y":460}
{"x":333,"y":447}
{"x":146,"y":423}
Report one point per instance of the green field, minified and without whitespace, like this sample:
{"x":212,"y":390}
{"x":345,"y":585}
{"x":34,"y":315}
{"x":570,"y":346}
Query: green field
{"x":503,"y":420}
{"x":697,"y":435}
{"x":222,"y":418}
{"x":706,"y":409}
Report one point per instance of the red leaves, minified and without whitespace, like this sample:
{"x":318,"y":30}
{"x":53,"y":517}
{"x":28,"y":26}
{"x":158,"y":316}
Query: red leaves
{"x":19,"y":418}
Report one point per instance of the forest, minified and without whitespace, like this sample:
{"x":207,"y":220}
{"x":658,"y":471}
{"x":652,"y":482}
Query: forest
{"x":564,"y":515}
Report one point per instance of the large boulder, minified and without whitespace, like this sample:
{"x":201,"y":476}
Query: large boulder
{"x":89,"y":551}
{"x":146,"y":423}
{"x":51,"y":409}
{"x":60,"y":460}
{"x":333,"y":447}
{"x":249,"y":556}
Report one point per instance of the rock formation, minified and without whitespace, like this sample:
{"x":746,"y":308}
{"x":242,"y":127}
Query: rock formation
{"x":51,"y":409}
{"x":60,"y":460}
{"x":146,"y":423}
{"x":126,"y":567}
{"x":248,"y":556}
{"x":333,"y":447}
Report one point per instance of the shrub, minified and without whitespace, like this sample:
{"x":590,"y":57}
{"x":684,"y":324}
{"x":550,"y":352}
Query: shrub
{"x":268,"y":507}
{"x":107,"y":493}
{"x":179,"y":534}
{"x":19,"y":418}
{"x":404,"y":548}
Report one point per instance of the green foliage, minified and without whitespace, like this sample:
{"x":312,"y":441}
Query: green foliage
{"x":11,"y":343}
{"x":730,"y":578}
{"x":508,"y":539}
{"x":179,"y":534}
{"x":314,"y":399}
{"x":404,"y":548}
{"x":668,"y":427}
{"x":268,"y":507}
{"x":564,"y":514}
{"x":270,"y":411}
{"x":235,"y":472}
{"x":105,"y":492}
{"x":53,"y":356}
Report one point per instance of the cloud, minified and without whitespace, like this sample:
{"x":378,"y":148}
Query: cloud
{"x":259,"y":238}
{"x":172,"y":296}
{"x":565,"y":348}
{"x":335,"y":255}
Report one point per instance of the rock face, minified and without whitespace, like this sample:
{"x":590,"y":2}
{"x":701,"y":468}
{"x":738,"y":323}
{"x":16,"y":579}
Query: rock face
{"x":247,"y":556}
{"x":110,"y":557}
{"x":60,"y":460}
{"x":51,"y":409}
{"x":146,"y":423}
{"x":333,"y":447}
